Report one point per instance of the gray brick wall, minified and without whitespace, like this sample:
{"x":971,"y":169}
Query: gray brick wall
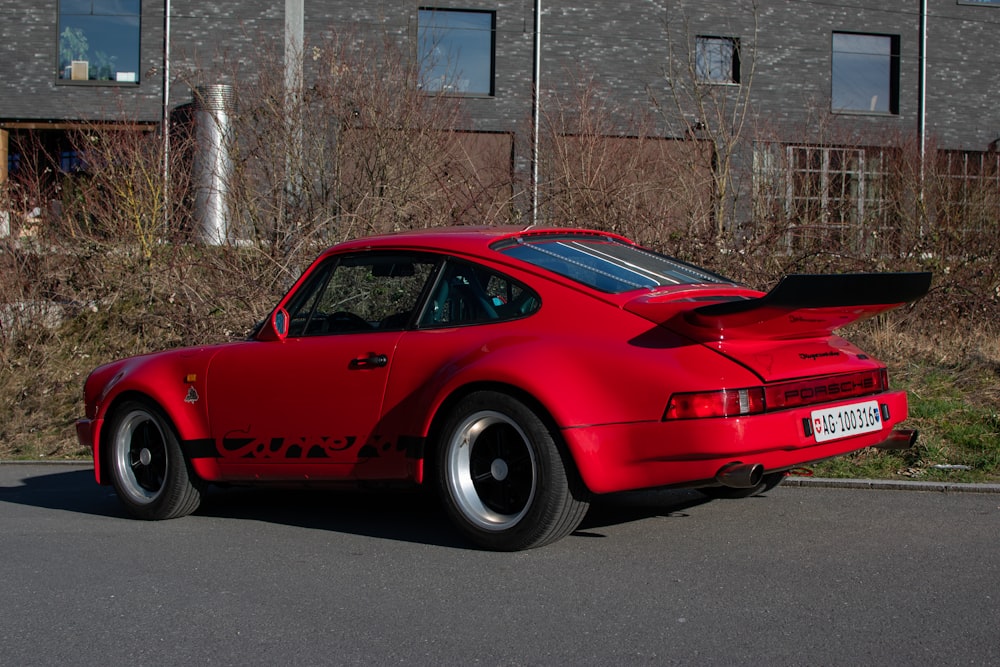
{"x":28,"y":87}
{"x":626,"y":49}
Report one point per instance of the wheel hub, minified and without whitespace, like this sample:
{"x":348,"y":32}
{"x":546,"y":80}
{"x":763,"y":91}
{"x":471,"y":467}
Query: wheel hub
{"x":145,"y":456}
{"x":499,"y":469}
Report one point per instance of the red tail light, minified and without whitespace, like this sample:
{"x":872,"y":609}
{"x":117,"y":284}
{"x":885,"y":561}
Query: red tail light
{"x":754,"y":400}
{"x":725,"y":403}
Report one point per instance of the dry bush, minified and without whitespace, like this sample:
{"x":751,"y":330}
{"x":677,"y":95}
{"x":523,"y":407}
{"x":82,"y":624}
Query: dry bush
{"x":361,"y":150}
{"x":603,"y":167}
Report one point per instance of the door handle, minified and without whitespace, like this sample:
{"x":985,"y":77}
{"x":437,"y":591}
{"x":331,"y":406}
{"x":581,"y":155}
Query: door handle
{"x":371,"y":360}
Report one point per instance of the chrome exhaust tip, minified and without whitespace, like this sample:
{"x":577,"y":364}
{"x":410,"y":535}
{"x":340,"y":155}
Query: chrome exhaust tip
{"x":740,"y":475}
{"x":903,"y":438}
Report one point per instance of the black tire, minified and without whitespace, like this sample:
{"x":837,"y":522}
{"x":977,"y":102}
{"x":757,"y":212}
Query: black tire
{"x":148,"y":470}
{"x":502,"y":477}
{"x":766,"y":483}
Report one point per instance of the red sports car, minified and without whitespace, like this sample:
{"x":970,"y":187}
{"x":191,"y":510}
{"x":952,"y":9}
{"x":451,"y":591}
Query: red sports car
{"x":522,"y":372}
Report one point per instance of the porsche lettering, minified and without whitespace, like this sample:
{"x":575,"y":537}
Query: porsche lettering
{"x":832,"y":390}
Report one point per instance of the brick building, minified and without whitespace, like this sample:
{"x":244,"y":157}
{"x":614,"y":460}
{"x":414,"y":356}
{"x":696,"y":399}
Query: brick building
{"x":805,"y":74}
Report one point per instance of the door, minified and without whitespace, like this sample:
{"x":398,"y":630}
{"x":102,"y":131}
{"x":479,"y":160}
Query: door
{"x":308,"y":406}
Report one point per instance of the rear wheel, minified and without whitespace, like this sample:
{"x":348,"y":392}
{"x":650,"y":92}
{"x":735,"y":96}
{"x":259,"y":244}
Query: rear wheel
{"x":766,"y":483}
{"x":502,"y":477}
{"x":148,"y":470}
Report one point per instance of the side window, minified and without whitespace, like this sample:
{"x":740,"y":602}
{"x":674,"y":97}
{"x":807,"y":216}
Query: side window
{"x":369,"y":292}
{"x":470,"y":294}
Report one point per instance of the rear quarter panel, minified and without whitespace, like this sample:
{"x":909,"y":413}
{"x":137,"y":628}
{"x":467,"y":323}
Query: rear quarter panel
{"x":585,"y":360}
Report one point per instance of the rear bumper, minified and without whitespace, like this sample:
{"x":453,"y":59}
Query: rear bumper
{"x":620,"y":457}
{"x":88,"y":433}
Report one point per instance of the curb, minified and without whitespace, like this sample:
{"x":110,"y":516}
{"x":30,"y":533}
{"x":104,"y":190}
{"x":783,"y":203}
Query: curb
{"x":42,"y":462}
{"x":891,"y":485}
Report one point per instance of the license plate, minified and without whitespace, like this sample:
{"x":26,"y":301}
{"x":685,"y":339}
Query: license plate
{"x":846,"y":420}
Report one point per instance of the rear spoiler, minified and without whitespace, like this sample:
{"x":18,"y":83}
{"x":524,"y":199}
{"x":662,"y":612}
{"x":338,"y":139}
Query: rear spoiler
{"x":804,"y":305}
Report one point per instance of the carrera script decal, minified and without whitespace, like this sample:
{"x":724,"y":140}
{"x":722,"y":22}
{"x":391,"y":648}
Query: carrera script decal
{"x":285,"y":448}
{"x":242,"y":445}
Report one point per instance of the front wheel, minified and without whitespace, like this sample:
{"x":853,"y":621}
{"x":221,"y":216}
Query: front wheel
{"x":148,"y":470}
{"x":502,"y":477}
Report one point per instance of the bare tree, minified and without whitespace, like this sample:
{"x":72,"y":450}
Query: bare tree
{"x":703,"y":101}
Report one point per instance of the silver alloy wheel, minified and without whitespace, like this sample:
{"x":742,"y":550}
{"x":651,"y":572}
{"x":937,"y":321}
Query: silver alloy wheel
{"x":491,"y":470}
{"x":139,"y":454}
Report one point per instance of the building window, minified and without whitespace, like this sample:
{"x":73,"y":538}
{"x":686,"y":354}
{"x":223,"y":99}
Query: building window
{"x":99,"y":40}
{"x":717,"y":59}
{"x":456,"y":50}
{"x":865,"y":73}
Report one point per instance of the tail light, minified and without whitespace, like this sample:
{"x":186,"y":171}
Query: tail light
{"x":781,"y":396}
{"x":725,"y":403}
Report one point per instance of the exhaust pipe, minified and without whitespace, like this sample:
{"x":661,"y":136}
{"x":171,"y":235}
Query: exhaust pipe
{"x":740,"y":475}
{"x":903,"y":438}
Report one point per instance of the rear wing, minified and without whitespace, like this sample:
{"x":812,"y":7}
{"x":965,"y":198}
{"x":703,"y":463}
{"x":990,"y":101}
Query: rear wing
{"x":805,"y":305}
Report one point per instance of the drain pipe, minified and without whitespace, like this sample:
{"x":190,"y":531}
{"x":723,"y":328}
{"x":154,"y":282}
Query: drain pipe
{"x":922,"y":102}
{"x":165,"y":121}
{"x":535,"y":110}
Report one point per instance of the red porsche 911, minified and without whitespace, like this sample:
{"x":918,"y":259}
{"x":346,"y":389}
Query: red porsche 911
{"x":521,"y":372}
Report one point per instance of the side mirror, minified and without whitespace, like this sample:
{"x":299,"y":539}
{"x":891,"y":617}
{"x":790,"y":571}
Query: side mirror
{"x":276,"y":327}
{"x":280,"y":320}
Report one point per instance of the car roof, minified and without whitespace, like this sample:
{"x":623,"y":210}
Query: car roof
{"x":464,"y":239}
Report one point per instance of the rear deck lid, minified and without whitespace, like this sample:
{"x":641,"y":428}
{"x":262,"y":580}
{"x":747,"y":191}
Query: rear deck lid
{"x":787,"y":331}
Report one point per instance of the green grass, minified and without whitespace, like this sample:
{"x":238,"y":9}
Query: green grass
{"x":956,"y":410}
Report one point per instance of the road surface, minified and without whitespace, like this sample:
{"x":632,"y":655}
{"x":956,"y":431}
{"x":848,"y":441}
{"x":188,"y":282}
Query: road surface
{"x":804,"y":576}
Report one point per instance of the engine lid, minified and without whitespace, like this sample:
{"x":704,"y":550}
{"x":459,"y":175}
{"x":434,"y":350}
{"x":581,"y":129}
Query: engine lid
{"x":786,"y":332}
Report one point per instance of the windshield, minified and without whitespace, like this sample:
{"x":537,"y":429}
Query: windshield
{"x":605,"y":263}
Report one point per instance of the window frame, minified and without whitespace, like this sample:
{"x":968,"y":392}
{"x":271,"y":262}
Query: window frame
{"x":894,"y":74}
{"x":709,"y":41}
{"x":520,"y":300}
{"x":60,"y":70}
{"x":826,"y":193}
{"x":450,"y":71}
{"x":303,"y":303}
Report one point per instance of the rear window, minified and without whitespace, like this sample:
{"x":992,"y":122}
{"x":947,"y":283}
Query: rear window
{"x":605,"y":263}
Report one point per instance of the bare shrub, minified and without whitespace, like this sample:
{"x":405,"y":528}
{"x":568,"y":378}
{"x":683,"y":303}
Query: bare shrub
{"x":366,"y":151}
{"x":604,"y":167}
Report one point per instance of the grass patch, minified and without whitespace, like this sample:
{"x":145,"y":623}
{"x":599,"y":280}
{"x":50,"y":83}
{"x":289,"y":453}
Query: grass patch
{"x":954,"y":403}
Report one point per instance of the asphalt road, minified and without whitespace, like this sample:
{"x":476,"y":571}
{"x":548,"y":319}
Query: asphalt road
{"x":805,"y":576}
